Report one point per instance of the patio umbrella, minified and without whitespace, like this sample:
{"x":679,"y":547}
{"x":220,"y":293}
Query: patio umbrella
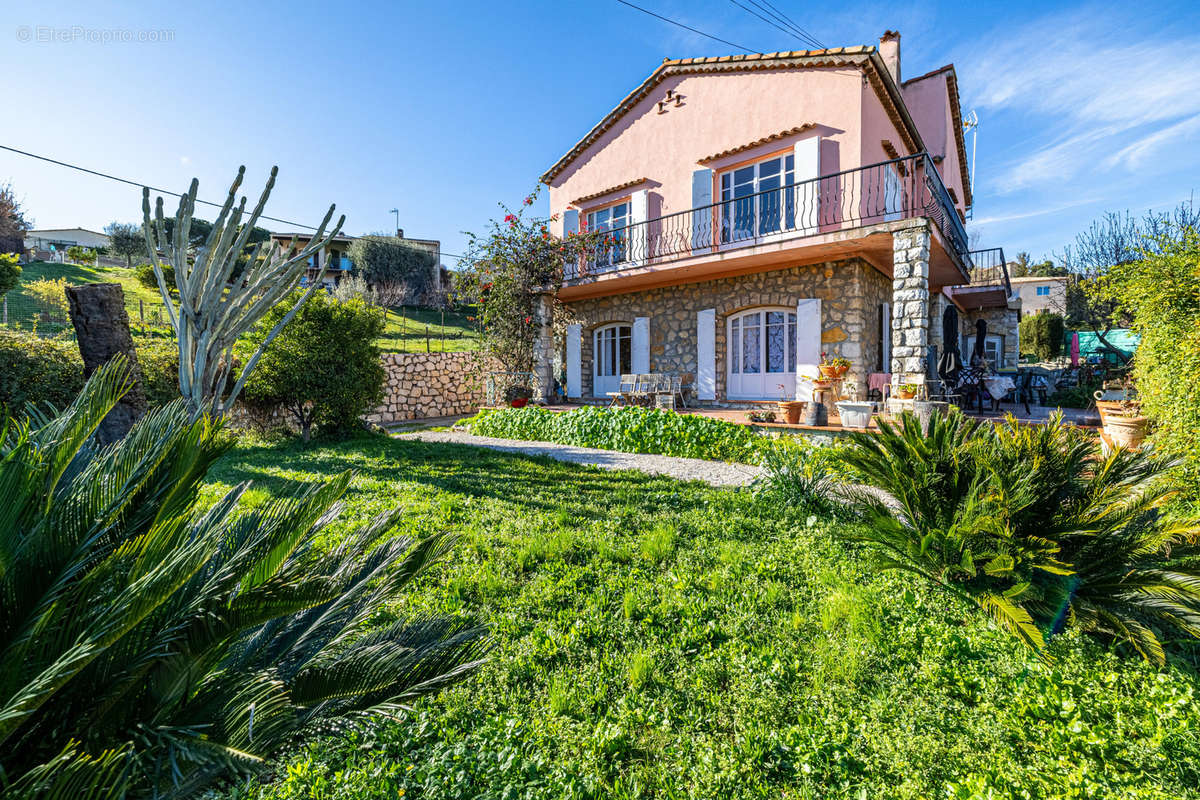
{"x":1075,"y":349}
{"x":979,"y":352}
{"x":951,"y":361}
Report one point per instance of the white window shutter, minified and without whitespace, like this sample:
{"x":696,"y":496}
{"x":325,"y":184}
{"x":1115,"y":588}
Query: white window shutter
{"x":641,"y":345}
{"x":807,"y":154}
{"x":702,"y":220}
{"x":639,"y":211}
{"x":706,"y":354}
{"x":886,"y":344}
{"x":808,"y":346}
{"x":574,"y":372}
{"x":570,"y":219}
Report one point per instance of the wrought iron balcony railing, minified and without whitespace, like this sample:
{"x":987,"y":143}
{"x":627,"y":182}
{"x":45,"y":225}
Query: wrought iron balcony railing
{"x":902,"y":188}
{"x":990,"y":269}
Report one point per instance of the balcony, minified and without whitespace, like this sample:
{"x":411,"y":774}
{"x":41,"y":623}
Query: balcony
{"x":833,"y":216}
{"x":990,"y":286}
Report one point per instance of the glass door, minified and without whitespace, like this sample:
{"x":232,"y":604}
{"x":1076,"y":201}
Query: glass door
{"x":612,"y":358}
{"x":762,"y":355}
{"x":758,"y":200}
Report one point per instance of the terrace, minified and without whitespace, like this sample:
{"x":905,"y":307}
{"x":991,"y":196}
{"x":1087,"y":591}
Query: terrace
{"x":845,"y":214}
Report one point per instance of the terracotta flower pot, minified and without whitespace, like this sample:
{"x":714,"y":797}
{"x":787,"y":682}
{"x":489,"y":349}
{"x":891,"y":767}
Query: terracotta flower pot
{"x":1127,"y":432}
{"x":905,"y":394}
{"x":790,"y":409}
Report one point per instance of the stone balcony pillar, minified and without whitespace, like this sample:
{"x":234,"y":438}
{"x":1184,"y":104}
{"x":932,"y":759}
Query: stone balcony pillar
{"x":543,"y":348}
{"x":910,"y":304}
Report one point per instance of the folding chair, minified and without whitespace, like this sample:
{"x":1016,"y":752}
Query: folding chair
{"x":626,"y":391}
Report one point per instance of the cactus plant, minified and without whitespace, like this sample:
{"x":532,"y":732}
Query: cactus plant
{"x":214,"y":306}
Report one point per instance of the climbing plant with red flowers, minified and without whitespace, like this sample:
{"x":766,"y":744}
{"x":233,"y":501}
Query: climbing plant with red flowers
{"x":506,"y":270}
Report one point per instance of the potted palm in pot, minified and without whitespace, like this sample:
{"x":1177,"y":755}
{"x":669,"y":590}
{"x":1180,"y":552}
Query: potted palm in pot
{"x":833,"y":368}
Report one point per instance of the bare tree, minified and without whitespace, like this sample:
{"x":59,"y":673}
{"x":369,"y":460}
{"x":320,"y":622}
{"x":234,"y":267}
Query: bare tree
{"x":215,"y":308}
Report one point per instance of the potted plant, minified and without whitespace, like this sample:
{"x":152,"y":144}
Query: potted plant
{"x":907,"y":391}
{"x":790,"y":409}
{"x":1125,"y":426}
{"x":761,"y":416}
{"x":518,"y":396}
{"x":833,"y":368}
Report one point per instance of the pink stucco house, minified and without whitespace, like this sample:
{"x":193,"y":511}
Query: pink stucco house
{"x":764,"y":209}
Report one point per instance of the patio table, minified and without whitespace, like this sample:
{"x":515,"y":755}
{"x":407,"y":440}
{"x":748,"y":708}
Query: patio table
{"x":998,"y":386}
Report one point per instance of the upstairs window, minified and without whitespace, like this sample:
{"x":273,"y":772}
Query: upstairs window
{"x":757,"y":199}
{"x":613,"y":221}
{"x":1043,"y":291}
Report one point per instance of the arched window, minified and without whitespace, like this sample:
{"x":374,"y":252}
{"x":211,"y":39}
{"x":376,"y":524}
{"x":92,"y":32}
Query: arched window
{"x":761,"y":354}
{"x":612,"y":357}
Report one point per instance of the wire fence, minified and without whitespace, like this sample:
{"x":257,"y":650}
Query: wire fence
{"x":406,"y":329}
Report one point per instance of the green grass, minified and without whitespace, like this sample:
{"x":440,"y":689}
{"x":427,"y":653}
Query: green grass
{"x":22,"y":307}
{"x":408,"y":329}
{"x":664,"y":639}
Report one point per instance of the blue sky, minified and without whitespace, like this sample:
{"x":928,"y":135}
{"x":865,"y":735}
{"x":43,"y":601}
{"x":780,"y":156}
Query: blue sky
{"x":443,"y":109}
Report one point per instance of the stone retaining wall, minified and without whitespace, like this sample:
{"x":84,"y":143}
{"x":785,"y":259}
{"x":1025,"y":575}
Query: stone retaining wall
{"x":421,"y":385}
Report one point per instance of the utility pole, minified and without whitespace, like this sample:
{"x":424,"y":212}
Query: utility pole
{"x":396,"y":211}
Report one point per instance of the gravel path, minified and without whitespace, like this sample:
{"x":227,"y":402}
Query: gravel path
{"x":715,"y":473}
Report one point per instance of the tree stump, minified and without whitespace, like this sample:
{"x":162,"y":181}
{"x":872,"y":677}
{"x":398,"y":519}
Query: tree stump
{"x":102,"y":329}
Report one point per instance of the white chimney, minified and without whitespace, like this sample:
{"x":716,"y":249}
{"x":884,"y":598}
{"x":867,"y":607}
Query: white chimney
{"x":889,"y":50}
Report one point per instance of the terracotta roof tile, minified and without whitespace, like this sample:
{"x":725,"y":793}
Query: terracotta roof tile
{"x":774,"y":137}
{"x":627,"y":185}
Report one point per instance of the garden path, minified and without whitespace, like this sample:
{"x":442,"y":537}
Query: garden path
{"x":714,"y":473}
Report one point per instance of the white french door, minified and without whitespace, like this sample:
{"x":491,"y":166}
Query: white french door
{"x":761,"y":354}
{"x":612,"y":357}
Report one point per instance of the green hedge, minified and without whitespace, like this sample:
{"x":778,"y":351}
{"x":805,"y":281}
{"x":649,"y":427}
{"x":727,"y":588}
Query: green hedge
{"x":1041,"y":335}
{"x":629,"y":430}
{"x":37,"y":370}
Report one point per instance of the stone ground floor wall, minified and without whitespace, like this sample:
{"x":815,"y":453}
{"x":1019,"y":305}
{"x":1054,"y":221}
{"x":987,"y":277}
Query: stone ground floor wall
{"x":423,"y":385}
{"x":1003,"y":322}
{"x":851,"y":293}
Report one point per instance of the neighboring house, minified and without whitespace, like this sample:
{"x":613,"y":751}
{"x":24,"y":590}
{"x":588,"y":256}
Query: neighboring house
{"x":336,"y":260}
{"x":764,"y":209}
{"x":46,"y":243}
{"x":333,"y":259}
{"x":1042,"y":294}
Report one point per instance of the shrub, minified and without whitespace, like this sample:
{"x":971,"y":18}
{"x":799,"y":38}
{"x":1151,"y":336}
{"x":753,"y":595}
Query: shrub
{"x":36,"y":370}
{"x":1034,"y":526}
{"x":159,"y":361}
{"x":400,"y":273}
{"x":1162,"y":291}
{"x":146,"y":277}
{"x":323,"y":369}
{"x":81,"y":255}
{"x":1041,"y":334}
{"x":804,"y":479}
{"x":151,"y":647}
{"x":50,"y":294}
{"x":629,"y":429}
{"x":10,"y":273}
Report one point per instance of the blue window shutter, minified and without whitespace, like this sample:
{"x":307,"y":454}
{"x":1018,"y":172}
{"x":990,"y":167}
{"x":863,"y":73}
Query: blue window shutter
{"x":702,"y":220}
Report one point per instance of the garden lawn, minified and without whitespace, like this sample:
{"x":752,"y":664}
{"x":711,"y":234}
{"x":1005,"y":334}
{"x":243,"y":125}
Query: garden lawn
{"x":664,"y":639}
{"x":22,"y":306}
{"x":408,"y":328}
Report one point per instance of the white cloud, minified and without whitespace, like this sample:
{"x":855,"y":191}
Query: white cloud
{"x":1104,"y":100}
{"x":185,"y":160}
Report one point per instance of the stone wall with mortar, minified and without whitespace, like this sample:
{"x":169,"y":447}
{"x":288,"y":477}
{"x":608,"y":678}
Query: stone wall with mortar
{"x":910,"y":303}
{"x":1000,"y":321}
{"x":851,"y":293}
{"x":423,"y":385}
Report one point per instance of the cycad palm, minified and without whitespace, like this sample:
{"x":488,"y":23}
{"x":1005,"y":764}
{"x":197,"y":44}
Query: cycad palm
{"x":149,"y":647}
{"x":1035,"y":526}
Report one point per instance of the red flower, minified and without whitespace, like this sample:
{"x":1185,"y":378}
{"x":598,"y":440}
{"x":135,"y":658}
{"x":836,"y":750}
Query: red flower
{"x":527,"y":320}
{"x":529,"y":200}
{"x":511,"y":219}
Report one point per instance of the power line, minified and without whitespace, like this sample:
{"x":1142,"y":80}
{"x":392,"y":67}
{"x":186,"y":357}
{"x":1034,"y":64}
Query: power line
{"x":773,"y":24}
{"x":687,"y":27}
{"x":796,"y":31}
{"x":792,"y":23}
{"x":128,"y":182}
